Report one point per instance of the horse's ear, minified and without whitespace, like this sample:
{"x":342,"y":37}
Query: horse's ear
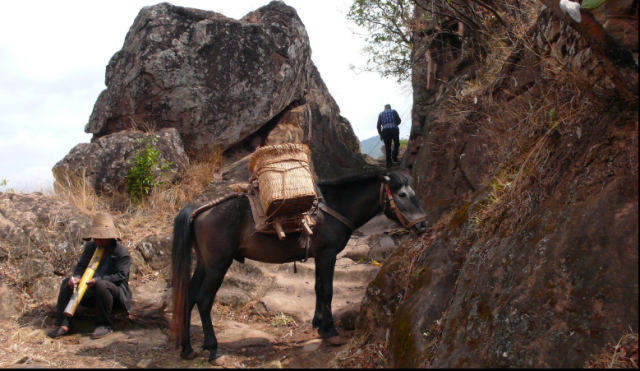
{"x":384,"y":178}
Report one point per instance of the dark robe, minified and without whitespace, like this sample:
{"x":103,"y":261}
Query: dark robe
{"x":114,"y":268}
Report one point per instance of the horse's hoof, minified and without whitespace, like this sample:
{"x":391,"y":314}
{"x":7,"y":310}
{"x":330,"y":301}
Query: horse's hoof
{"x":335,"y":340}
{"x":217,"y":362}
{"x":190,"y":356}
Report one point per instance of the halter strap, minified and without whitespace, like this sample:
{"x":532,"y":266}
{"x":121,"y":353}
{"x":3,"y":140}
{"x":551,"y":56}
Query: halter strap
{"x":337,"y":215}
{"x":406,"y":222}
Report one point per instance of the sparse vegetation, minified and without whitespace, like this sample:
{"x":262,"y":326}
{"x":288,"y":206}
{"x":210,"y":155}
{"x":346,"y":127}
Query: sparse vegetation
{"x":360,"y":353}
{"x":624,"y":354}
{"x":147,"y":167}
{"x":153,"y":214}
{"x":389,"y":35}
{"x":282,"y":319}
{"x":3,"y":185}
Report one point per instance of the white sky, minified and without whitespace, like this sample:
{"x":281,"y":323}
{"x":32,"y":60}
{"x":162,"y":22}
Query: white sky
{"x":53,"y":56}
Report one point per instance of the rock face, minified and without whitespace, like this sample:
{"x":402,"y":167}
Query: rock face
{"x":219,"y":81}
{"x":533,"y":257}
{"x":105,"y":162}
{"x":33,"y":225}
{"x":43,"y":237}
{"x":156,"y":252}
{"x":8,"y":302}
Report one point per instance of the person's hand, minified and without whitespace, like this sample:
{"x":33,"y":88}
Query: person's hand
{"x":73,"y":281}
{"x":381,"y":137}
{"x":91,"y":282}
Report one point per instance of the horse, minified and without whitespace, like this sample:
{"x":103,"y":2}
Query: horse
{"x":226,"y":232}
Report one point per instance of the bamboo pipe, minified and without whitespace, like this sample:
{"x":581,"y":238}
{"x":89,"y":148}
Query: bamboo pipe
{"x":79,"y":291}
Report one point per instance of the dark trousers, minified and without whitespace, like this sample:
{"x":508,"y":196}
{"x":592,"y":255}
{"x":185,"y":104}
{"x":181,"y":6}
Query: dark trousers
{"x":387,"y":136}
{"x":101,"y":295}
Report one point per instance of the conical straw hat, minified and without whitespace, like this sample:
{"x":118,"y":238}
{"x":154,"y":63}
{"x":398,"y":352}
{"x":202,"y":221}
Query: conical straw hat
{"x":102,"y":227}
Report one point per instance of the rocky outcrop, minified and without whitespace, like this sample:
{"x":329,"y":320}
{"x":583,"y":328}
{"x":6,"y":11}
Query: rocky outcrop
{"x":42,"y":237}
{"x":33,"y":225}
{"x":222,"y":83}
{"x":105,"y":163}
{"x":533,"y":257}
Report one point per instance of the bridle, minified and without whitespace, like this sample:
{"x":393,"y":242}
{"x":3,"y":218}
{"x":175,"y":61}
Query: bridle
{"x":406,"y":222}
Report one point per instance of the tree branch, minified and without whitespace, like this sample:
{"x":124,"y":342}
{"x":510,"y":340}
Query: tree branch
{"x":495,"y":13}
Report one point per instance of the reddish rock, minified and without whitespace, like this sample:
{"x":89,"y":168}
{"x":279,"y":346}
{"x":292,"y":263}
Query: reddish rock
{"x":538,"y":272}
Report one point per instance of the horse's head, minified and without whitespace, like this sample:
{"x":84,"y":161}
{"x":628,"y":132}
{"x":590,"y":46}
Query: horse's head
{"x":400,"y":203}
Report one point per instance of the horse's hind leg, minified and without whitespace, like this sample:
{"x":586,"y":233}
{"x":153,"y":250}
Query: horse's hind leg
{"x":212,"y":281}
{"x":194,"y":287}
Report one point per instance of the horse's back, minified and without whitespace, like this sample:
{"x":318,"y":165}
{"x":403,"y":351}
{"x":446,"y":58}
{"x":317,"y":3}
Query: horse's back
{"x":218,"y":230}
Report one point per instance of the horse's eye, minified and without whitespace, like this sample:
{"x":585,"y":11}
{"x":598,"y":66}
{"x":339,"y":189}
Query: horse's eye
{"x":402,"y":194}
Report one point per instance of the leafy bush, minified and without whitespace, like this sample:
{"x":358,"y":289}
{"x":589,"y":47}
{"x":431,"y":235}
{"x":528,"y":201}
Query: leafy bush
{"x":142,"y":177}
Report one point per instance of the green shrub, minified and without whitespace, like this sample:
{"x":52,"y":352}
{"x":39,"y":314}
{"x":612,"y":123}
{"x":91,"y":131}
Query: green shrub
{"x":3,"y":183}
{"x":142,"y":177}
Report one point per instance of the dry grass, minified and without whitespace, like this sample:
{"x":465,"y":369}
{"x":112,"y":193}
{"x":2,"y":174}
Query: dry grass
{"x":153,"y":214}
{"x":624,"y":354}
{"x":77,"y":191}
{"x":360,"y":353}
{"x":522,"y":136}
{"x":281,"y":319}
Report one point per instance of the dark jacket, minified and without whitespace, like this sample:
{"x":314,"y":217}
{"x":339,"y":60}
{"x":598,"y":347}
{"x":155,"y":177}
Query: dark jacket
{"x":388,"y":119}
{"x":113,"y":268}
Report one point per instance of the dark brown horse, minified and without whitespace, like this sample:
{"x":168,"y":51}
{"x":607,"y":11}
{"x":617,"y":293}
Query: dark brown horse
{"x":226,"y":232}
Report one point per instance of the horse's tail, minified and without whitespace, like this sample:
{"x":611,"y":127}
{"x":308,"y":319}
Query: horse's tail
{"x":181,"y":267}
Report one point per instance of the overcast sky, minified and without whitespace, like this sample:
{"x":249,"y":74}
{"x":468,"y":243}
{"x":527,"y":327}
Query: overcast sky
{"x":52,"y":64}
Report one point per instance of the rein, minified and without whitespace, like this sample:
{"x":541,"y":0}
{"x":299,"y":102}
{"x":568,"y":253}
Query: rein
{"x":406,"y":222}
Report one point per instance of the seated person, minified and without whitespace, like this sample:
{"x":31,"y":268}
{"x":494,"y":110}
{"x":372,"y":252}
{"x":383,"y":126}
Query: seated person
{"x":109,"y":285}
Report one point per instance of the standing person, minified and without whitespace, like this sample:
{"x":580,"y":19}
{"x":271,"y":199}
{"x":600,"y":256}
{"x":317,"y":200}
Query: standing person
{"x":109,"y":285}
{"x":388,"y":121}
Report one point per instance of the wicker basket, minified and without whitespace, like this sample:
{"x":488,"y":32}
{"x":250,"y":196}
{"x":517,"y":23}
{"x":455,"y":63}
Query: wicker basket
{"x":286,"y":183}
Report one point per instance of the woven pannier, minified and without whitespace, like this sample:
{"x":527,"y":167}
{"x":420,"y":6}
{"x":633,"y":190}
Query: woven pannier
{"x":285,"y":181}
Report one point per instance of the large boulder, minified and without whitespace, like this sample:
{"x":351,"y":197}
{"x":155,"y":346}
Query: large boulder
{"x":214,"y":78}
{"x":105,"y":162}
{"x":219,"y":81}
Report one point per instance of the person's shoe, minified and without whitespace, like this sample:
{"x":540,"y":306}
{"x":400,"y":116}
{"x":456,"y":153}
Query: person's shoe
{"x":59,"y":332}
{"x":395,"y":159}
{"x":389,"y":164}
{"x":101,"y":332}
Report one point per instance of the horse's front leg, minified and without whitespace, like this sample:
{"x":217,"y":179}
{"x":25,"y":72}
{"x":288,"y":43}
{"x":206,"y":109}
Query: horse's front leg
{"x":212,"y":281}
{"x":325,"y":267}
{"x":317,"y":315}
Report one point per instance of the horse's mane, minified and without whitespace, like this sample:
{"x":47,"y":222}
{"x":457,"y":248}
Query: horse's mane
{"x":397,"y":179}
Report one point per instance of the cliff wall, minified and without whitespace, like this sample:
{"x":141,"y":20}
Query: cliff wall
{"x":525,"y":156}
